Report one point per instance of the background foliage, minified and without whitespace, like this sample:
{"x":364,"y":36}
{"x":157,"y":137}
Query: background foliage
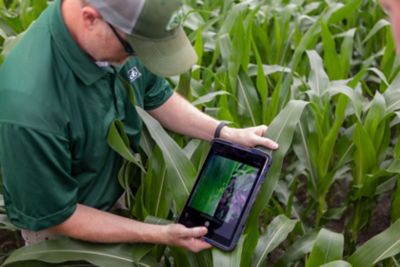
{"x":324,"y":76}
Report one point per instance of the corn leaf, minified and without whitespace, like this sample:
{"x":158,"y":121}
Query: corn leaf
{"x":346,"y":52}
{"x":231,"y":259}
{"x":318,"y":80}
{"x":249,"y":103}
{"x":326,"y":151}
{"x":330,"y":55}
{"x":378,"y":248}
{"x":327,"y":247}
{"x":382,"y":23}
{"x":209,"y":97}
{"x":281,"y":130}
{"x":262,"y":84}
{"x":65,"y":250}
{"x":277,"y":231}
{"x":345,"y":11}
{"x":355,"y":98}
{"x":298,"y":249}
{"x":119,"y":142}
{"x":337,"y":264}
{"x":181,"y":172}
{"x":365,"y":154}
{"x":157,"y":198}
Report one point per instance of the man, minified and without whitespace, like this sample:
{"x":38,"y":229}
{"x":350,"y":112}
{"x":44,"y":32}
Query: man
{"x":62,"y":86}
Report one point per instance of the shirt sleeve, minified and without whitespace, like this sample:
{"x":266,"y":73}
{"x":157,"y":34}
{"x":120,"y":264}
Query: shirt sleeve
{"x":39,"y":191}
{"x":157,"y":92}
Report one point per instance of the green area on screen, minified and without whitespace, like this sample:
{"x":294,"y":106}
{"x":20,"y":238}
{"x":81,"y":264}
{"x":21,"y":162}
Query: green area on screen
{"x":223,"y":189}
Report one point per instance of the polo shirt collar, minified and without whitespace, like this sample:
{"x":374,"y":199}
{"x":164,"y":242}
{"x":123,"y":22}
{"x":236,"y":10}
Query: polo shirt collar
{"x":80,"y":63}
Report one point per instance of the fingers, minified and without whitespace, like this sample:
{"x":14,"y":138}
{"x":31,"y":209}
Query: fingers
{"x":194,"y":232}
{"x":198,"y":231}
{"x":189,"y":238}
{"x":256,"y":137}
{"x":261,"y":130}
{"x":196,"y":244}
{"x":252,"y":137}
{"x":266,"y":142}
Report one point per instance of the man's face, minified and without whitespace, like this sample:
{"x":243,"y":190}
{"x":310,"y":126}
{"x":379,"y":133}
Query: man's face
{"x":99,"y":39}
{"x":108,"y":45}
{"x":392,"y":7}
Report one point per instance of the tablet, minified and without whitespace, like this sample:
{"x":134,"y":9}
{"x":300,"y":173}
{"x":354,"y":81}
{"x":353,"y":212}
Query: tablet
{"x":224,"y":192}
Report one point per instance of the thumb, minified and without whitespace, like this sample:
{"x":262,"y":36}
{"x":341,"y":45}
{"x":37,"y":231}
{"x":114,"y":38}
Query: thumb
{"x":196,"y":232}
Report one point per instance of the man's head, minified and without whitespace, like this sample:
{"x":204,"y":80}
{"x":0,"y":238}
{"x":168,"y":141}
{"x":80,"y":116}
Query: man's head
{"x":151,"y":28}
{"x":392,"y":7}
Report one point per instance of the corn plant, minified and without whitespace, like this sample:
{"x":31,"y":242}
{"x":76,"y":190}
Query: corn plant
{"x":15,"y":18}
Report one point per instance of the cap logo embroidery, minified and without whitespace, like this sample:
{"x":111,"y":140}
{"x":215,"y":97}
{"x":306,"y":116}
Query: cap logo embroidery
{"x":176,"y":20}
{"x":133,"y":74}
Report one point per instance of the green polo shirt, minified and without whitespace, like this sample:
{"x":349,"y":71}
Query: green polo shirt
{"x":56,"y":106}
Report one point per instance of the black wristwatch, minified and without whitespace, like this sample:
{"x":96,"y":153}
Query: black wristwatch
{"x":221,"y":125}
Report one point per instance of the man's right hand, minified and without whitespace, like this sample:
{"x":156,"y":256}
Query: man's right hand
{"x":188,"y":238}
{"x":94,"y":225}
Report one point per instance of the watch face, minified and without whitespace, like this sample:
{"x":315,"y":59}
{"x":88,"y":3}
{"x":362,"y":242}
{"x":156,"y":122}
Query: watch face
{"x":222,"y":193}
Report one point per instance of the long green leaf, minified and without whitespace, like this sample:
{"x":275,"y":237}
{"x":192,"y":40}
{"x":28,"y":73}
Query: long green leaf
{"x":208,"y":97}
{"x":346,"y":52}
{"x":318,"y":80}
{"x":298,"y":249}
{"x":281,"y":129}
{"x":378,"y":248}
{"x":378,"y":26}
{"x":395,"y":212}
{"x":305,"y":44}
{"x":262,"y":84}
{"x":64,"y":250}
{"x":330,"y":54}
{"x":326,"y":151}
{"x":118,"y":140}
{"x":327,"y":247}
{"x":266,"y":69}
{"x":230,"y":259}
{"x":157,"y":198}
{"x":380,"y":75}
{"x":183,"y":258}
{"x":277,"y":231}
{"x":354,"y":97}
{"x":365,"y":154}
{"x":347,"y":10}
{"x":249,"y":104}
{"x":337,"y":264}
{"x":304,"y":153}
{"x":181,"y":171}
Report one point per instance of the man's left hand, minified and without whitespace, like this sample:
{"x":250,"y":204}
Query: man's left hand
{"x":250,"y":137}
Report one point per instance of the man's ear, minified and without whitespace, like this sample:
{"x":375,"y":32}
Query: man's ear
{"x":90,"y":16}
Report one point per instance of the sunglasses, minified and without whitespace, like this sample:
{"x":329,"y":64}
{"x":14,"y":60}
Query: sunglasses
{"x":127,"y":47}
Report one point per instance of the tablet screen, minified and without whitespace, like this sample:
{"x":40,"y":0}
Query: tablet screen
{"x":222,"y":192}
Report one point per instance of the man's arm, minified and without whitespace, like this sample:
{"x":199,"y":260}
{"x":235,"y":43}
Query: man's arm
{"x":90,"y":224}
{"x":180,"y":116}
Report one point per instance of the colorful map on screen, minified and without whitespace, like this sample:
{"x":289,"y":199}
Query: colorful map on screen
{"x":223,"y":189}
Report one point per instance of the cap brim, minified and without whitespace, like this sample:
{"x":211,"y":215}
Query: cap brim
{"x":169,"y":57}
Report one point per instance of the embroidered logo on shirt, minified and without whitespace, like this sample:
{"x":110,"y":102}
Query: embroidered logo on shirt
{"x":133,"y":74}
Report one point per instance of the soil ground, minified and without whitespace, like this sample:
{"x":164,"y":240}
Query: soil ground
{"x":9,"y":241}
